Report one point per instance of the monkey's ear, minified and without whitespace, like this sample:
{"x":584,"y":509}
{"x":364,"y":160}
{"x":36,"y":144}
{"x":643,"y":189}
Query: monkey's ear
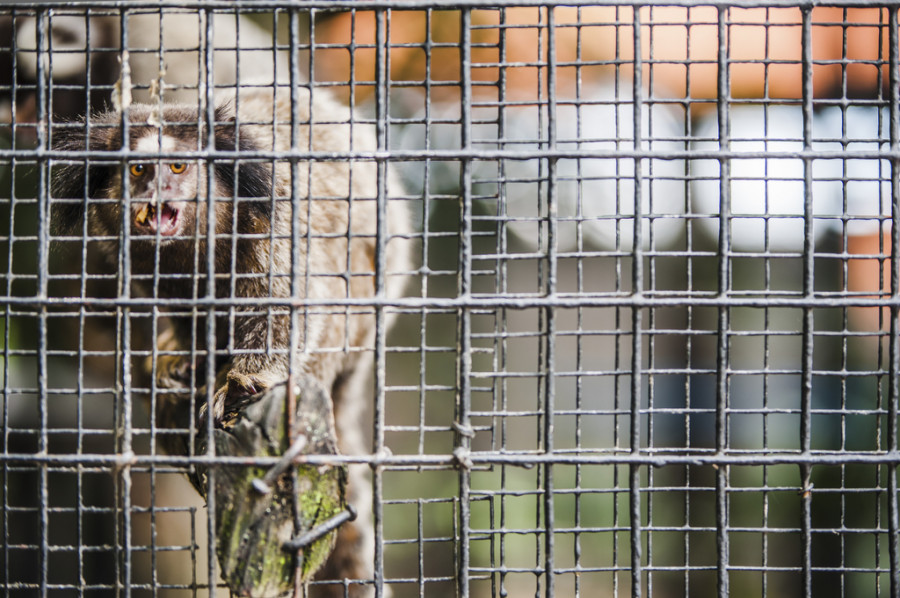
{"x":73,"y":183}
{"x":248,"y":179}
{"x":66,"y":209}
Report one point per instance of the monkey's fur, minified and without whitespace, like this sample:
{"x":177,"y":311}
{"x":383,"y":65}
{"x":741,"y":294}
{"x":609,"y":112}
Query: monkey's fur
{"x":254,"y":223}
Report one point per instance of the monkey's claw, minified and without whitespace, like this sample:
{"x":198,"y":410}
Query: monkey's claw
{"x":238,"y":391}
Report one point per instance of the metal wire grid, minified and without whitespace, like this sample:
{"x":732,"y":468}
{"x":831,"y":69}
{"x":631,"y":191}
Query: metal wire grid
{"x":541,"y":428}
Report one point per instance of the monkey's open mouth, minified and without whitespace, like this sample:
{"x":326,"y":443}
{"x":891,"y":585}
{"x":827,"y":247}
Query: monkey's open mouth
{"x":153,"y":219}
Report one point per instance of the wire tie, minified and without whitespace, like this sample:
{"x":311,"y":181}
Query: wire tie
{"x":807,"y":489}
{"x":462,"y":430}
{"x":461,"y":454}
{"x":264,"y":485}
{"x":330,"y":524}
{"x":381,"y":456}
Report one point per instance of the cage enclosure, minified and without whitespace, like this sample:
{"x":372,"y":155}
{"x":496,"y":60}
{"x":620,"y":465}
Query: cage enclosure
{"x":392,"y":298}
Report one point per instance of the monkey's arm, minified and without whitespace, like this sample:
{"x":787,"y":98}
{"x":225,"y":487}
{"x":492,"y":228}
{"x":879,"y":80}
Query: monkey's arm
{"x":261,"y":356}
{"x":333,"y":262}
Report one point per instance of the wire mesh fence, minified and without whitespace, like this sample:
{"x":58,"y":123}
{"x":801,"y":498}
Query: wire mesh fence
{"x":603,"y":297}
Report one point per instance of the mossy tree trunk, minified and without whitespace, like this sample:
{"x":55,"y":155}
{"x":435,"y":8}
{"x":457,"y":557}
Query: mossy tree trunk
{"x":255,"y":518}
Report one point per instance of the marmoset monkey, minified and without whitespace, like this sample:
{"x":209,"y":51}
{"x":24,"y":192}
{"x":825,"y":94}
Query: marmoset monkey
{"x":254,"y":223}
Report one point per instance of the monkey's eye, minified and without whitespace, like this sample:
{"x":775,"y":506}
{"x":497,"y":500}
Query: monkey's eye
{"x":137,"y":169}
{"x":178,"y":167}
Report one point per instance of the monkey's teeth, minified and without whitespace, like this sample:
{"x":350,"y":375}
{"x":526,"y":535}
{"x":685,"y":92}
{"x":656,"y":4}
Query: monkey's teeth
{"x":162,"y":218}
{"x":146,"y":216}
{"x":168,"y":220}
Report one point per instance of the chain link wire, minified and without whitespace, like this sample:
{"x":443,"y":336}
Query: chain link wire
{"x":648,"y":344}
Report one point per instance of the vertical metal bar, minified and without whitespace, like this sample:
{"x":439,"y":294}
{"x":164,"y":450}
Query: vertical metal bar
{"x":550,"y":312}
{"x":233,"y":258}
{"x":845,"y":312}
{"x":618,"y":436}
{"x":80,"y":359}
{"x":420,"y":542}
{"x":154,"y":353}
{"x":503,"y":287}
{"x":426,"y":214}
{"x":767,"y":320}
{"x":542,"y":184}
{"x":724,"y":283}
{"x":382,"y":83}
{"x":894,"y":343}
{"x":689,"y":321}
{"x":650,"y":276}
{"x":273,"y":200}
{"x":882,"y":361}
{"x":464,"y":290}
{"x":423,"y":314}
{"x":193,"y":548}
{"x":580,"y":320}
{"x":886,"y":399}
{"x":7,"y":319}
{"x":43,"y":83}
{"x":637,"y":289}
{"x":808,"y":294}
{"x":208,"y":109}
{"x":298,"y":270}
{"x":123,"y":402}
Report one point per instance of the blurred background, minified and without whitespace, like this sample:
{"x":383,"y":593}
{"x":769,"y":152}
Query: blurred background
{"x":735,"y":354}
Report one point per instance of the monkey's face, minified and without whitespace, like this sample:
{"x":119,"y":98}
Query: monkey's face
{"x":163,"y":194}
{"x":167,"y":195}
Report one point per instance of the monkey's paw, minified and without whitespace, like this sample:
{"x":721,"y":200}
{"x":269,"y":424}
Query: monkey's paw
{"x":238,"y":391}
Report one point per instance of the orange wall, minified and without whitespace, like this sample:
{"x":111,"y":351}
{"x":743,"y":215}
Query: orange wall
{"x":679,"y":47}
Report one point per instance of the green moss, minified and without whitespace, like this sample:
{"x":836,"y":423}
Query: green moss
{"x":321,"y":502}
{"x":251,"y":528}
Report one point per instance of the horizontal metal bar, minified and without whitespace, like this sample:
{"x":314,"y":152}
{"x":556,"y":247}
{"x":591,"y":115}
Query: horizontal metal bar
{"x":763,"y":457}
{"x":232,"y":5}
{"x":97,"y":156}
{"x":463,"y":302}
